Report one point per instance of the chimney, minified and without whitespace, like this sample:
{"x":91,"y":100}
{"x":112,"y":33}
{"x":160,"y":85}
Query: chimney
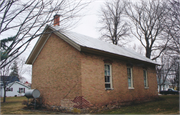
{"x":56,"y":20}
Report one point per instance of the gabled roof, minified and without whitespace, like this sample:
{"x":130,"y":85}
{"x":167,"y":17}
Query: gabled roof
{"x":84,"y":43}
{"x":18,"y":83}
{"x":8,"y":79}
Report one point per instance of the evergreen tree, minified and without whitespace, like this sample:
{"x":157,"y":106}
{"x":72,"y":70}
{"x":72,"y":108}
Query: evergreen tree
{"x":4,"y":47}
{"x":14,"y":70}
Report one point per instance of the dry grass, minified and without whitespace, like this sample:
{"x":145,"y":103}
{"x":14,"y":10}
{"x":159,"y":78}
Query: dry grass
{"x":168,"y":104}
{"x":13,"y":105}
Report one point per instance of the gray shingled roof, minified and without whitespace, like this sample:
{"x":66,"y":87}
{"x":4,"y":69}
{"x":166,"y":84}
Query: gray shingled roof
{"x":89,"y":42}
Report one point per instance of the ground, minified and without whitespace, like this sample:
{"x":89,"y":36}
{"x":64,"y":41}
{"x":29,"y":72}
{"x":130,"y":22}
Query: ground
{"x":166,"y":104}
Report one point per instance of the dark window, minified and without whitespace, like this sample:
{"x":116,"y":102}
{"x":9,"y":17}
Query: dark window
{"x":9,"y":89}
{"x":21,"y":90}
{"x":108,"y":77}
{"x":129,"y":75}
{"x":107,"y":85}
{"x":145,"y":78}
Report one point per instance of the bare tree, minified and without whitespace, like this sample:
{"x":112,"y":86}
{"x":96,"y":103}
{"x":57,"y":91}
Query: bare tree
{"x":138,"y":49}
{"x":173,"y":25}
{"x":23,"y":20}
{"x":114,"y":27}
{"x":162,"y":71}
{"x":148,"y":18}
{"x":6,"y":79}
{"x":168,"y":69}
{"x":173,"y":47}
{"x":10,"y":73}
{"x":174,"y":72}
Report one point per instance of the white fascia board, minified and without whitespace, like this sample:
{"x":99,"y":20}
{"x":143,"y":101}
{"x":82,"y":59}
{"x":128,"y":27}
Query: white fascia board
{"x":40,"y":49}
{"x":35,"y":48}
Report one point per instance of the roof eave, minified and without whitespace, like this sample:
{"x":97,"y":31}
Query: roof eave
{"x":41,"y":42}
{"x":31,"y":57}
{"x":108,"y":54}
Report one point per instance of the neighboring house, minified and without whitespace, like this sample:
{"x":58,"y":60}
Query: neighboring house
{"x":8,"y":79}
{"x":74,"y":70}
{"x":5,"y":80}
{"x":27,"y":84}
{"x":15,"y":88}
{"x":165,"y":86}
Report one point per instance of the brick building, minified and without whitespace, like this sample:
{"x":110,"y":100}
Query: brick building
{"x":73,"y":70}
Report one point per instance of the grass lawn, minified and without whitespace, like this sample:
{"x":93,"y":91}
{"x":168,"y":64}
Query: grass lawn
{"x":168,"y":104}
{"x":14,"y":105}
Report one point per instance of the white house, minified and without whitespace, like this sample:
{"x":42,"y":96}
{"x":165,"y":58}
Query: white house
{"x":15,"y":88}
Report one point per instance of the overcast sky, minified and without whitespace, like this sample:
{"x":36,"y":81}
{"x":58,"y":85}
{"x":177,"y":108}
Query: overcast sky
{"x":88,"y":25}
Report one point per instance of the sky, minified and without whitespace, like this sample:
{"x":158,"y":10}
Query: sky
{"x":88,"y":25}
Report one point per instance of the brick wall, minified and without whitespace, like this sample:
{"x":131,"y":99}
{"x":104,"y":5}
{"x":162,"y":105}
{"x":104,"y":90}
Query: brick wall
{"x":56,"y":72}
{"x":93,"y":84}
{"x":71,"y":78}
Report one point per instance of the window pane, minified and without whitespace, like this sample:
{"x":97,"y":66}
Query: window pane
{"x":129,"y":72}
{"x":21,"y":90}
{"x":108,"y":73}
{"x":107,"y":67}
{"x":107,"y":86}
{"x":129,"y":82}
{"x":105,"y":73}
{"x":107,"y":78}
{"x":145,"y":83}
{"x":144,"y":74}
{"x":129,"y":75}
{"x":107,"y":70}
{"x":145,"y":78}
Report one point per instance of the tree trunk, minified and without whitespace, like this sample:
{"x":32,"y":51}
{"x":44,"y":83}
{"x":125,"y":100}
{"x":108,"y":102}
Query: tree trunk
{"x":4,"y":99}
{"x":159,"y":87}
{"x":148,"y":52}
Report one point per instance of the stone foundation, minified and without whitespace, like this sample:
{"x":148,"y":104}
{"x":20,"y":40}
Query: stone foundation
{"x":74,"y":106}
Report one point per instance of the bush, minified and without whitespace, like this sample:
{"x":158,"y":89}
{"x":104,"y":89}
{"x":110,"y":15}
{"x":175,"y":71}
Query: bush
{"x":31,"y":103}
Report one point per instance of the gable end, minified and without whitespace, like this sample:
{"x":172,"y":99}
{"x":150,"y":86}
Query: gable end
{"x":42,"y":41}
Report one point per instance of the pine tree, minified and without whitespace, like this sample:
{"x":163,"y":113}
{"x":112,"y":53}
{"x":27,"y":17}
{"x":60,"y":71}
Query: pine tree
{"x":4,"y":48}
{"x":14,"y":69}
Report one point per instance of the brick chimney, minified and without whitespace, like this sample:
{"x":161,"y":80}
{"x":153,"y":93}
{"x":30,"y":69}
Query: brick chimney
{"x":56,"y":20}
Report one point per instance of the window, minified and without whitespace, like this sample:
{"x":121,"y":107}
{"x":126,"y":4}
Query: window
{"x":21,"y":90}
{"x":108,"y":76}
{"x":9,"y":89}
{"x":130,"y":77}
{"x":145,"y":78}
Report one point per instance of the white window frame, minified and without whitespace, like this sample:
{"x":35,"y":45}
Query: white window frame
{"x":132,"y":84}
{"x":111,"y":84}
{"x":21,"y":90}
{"x":145,"y":83}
